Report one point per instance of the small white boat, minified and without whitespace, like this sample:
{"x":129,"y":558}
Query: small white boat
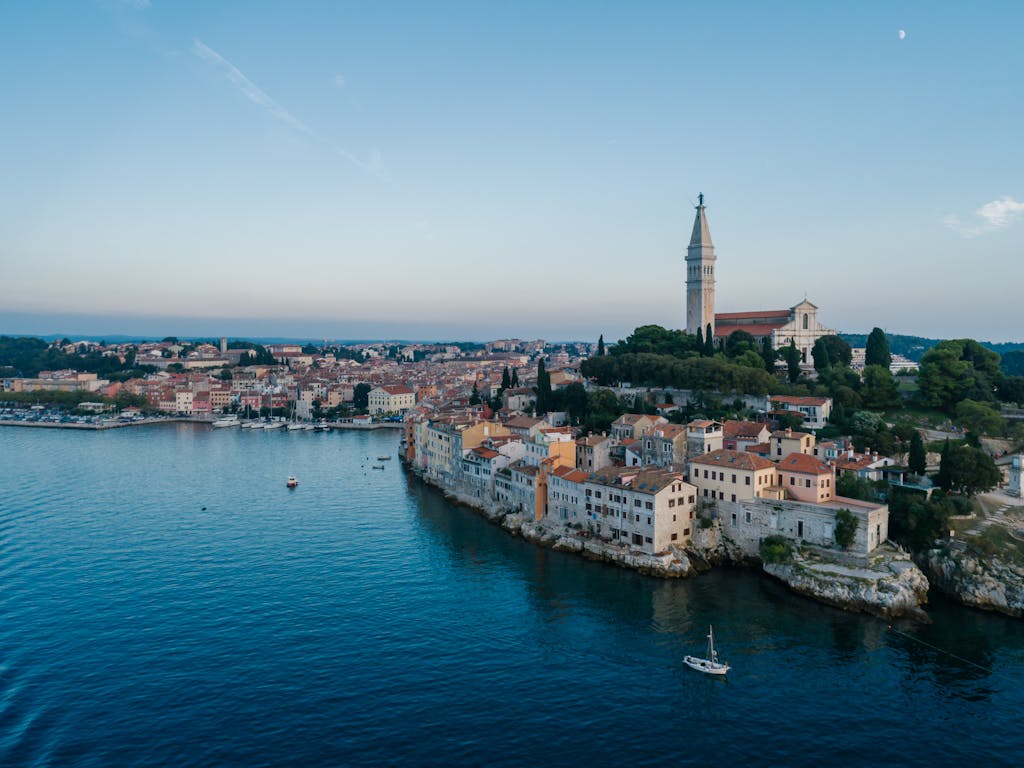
{"x":308,"y":427}
{"x":273,"y":425}
{"x":295,"y":426}
{"x":711,"y":665}
{"x":227,"y":421}
{"x":383,"y":458}
{"x":292,"y":482}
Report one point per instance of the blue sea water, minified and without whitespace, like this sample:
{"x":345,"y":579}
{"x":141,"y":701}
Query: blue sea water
{"x":165,"y":600}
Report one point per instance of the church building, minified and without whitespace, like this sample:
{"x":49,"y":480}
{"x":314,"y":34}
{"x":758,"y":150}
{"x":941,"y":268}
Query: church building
{"x":798,"y":324}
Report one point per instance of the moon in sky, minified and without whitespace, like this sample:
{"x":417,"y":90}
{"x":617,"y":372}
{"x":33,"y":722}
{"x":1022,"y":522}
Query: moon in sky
{"x":903,"y":34}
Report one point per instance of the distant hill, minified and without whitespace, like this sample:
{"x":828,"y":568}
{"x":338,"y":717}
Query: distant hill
{"x":914,"y":347}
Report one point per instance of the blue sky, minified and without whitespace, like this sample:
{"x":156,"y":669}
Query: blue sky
{"x":478,"y":170}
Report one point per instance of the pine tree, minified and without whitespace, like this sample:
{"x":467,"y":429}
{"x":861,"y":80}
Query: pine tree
{"x":600,"y":345}
{"x":917,"y":458}
{"x":877,"y":350}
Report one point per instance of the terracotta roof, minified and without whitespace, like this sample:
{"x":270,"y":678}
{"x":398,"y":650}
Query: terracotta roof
{"x":757,"y":315}
{"x":485,"y":453}
{"x":804,"y":464}
{"x":570,"y":474}
{"x":761,"y":329}
{"x":786,"y":434}
{"x":734,"y":459}
{"x":636,"y":478}
{"x":732,"y":428}
{"x":395,"y":389}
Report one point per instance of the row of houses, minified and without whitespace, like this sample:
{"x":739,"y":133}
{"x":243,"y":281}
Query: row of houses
{"x":649,"y":483}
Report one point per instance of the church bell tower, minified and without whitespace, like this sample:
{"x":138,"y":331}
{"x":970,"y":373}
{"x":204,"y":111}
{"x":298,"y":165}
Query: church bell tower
{"x":700,"y":275}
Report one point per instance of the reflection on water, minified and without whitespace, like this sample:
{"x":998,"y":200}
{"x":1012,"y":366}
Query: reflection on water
{"x":167,"y":601}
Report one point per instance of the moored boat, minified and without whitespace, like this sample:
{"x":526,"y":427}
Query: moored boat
{"x":292,"y":482}
{"x":227,"y":421}
{"x":711,"y":665}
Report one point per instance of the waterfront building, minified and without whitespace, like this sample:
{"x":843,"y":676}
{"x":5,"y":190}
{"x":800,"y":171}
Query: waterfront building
{"x":649,"y":509}
{"x":390,"y":399}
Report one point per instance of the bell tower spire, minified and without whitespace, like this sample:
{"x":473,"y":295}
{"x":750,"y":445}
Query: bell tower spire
{"x":700,"y":274}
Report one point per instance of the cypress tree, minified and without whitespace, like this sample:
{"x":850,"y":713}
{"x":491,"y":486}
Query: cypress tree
{"x":515,"y":378}
{"x":709,"y":342}
{"x":700,"y":341}
{"x":877,"y":350}
{"x":819,"y":352}
{"x":506,"y":380}
{"x":543,"y":388}
{"x":793,"y":361}
{"x":945,"y":477}
{"x":917,"y":458}
{"x":600,"y":345}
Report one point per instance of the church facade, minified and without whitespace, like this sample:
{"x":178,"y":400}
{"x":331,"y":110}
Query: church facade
{"x":798,"y":324}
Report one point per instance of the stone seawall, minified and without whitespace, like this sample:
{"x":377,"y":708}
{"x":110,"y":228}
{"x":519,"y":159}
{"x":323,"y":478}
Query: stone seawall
{"x":887,"y":584}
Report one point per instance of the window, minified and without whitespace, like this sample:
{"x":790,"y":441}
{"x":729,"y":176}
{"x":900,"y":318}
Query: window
{"x":686,"y":531}
{"x":734,"y":479}
{"x":734,"y":518}
{"x":734,"y":497}
{"x":747,"y":479}
{"x":748,"y":517}
{"x":637,"y":518}
{"x":649,"y":505}
{"x":673,"y":518}
{"x":675,"y":536}
{"x":671,"y":503}
{"x":648,"y":539}
{"x":636,"y":502}
{"x":648,"y":521}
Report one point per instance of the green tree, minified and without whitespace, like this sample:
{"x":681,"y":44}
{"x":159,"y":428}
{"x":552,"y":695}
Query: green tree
{"x":515,"y":378}
{"x":980,"y":418}
{"x":361,"y":396}
{"x":506,"y":379}
{"x":1011,"y":390}
{"x":820,"y":354}
{"x":572,"y":399}
{"x":850,"y":486}
{"x":1012,"y":363}
{"x":972,"y":471}
{"x":793,"y":361}
{"x":879,"y":390}
{"x":768,"y":353}
{"x":543,"y":389}
{"x":700,"y":341}
{"x":474,"y":398}
{"x":957,"y":370}
{"x":918,"y":457}
{"x":738,"y":342}
{"x":709,"y":341}
{"x":653,"y":339}
{"x":944,"y":479}
{"x":600,"y":344}
{"x":839,"y":352}
{"x":877,"y":350}
{"x":846,"y":528}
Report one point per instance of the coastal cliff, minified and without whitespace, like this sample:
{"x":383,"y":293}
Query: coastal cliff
{"x":981,"y":581}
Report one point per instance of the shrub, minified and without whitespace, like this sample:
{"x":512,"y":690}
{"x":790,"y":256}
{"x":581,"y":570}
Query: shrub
{"x":776,"y":549}
{"x":846,"y":528}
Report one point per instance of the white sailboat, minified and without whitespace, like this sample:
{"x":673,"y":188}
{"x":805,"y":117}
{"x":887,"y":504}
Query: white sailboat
{"x":711,"y":665}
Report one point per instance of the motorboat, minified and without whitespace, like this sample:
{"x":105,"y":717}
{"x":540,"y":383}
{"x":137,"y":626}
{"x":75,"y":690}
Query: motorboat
{"x":292,"y":482}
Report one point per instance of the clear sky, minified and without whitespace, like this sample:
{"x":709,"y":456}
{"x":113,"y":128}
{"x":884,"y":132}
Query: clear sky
{"x":478,"y":170}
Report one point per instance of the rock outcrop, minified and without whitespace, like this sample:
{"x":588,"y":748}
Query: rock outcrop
{"x":889,"y":585}
{"x":981,"y":581}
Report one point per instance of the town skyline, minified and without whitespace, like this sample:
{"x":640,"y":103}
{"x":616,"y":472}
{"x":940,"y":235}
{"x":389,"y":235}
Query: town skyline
{"x":454,"y":173}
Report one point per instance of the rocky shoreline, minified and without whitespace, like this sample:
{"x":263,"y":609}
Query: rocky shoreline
{"x":979,"y":581}
{"x":886,"y":584}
